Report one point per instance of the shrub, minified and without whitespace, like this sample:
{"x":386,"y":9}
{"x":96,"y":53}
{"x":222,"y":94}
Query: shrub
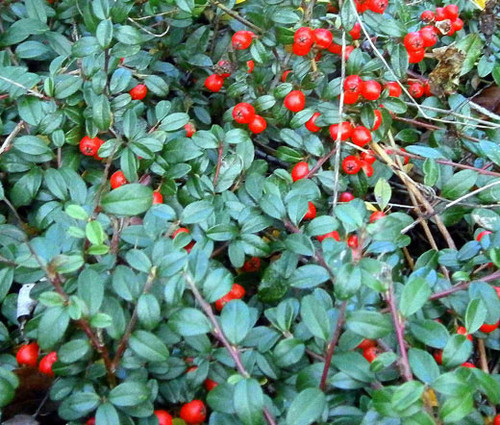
{"x":274,"y":212}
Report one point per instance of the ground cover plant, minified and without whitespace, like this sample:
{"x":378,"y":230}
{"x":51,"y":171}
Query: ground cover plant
{"x":251,"y":212}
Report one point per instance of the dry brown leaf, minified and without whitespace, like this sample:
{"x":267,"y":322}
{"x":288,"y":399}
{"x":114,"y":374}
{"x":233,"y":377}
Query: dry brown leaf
{"x":443,"y":80}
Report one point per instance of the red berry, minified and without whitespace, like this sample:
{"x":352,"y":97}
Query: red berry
{"x":352,"y":241}
{"x":214,"y":82}
{"x":497,"y":420}
{"x":252,"y":265}
{"x":469,"y":365}
{"x":190,"y":129}
{"x":301,"y":50}
{"x":28,"y":355}
{"x":89,"y":147}
{"x":371,"y":90}
{"x":311,"y":212}
{"x":194,"y":412}
{"x":180,"y":230}
{"x":285,"y":75}
{"x":257,"y":125}
{"x":438,"y":356}
{"x":462,"y":331}
{"x":91,"y":421}
{"x":366,"y":343}
{"x":497,"y":289}
{"x":334,"y":234}
{"x":486,"y":328}
{"x":429,"y":36}
{"x":100,"y":143}
{"x":117,"y":179}
{"x":335,"y":48}
{"x":361,"y":136}
{"x":427,"y":89}
{"x":378,"y":120}
{"x":322,"y":37}
{"x":351,"y":98}
{"x":250,"y":66}
{"x":346,"y":197}
{"x":345,"y":129}
{"x":237,"y":292}
{"x":157,"y":198}
{"x":483,"y":233}
{"x":164,"y":418}
{"x":355,"y":33}
{"x":300,"y":171}
{"x":295,"y":101}
{"x":46,"y":363}
{"x":353,"y":84}
{"x":370,"y":354}
{"x":440,"y":14}
{"x":210,"y":384}
{"x":243,"y":113}
{"x":416,"y":89}
{"x":303,"y":37}
{"x":377,"y":215}
{"x":347,"y":52}
{"x":416,"y":56}
{"x":139,"y":92}
{"x":310,"y":124}
{"x":451,"y":12}
{"x":351,"y":164}
{"x":367,"y":168}
{"x":413,"y":41}
{"x":457,"y":24}
{"x":393,"y":88}
{"x":427,"y":16}
{"x":242,"y":39}
{"x":377,"y":6}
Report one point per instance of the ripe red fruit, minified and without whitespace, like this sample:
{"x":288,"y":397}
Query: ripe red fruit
{"x":486,"y":328}
{"x":438,"y":356}
{"x":377,"y":215}
{"x":257,"y":125}
{"x":250,"y":66}
{"x":139,"y":92}
{"x":371,"y":90}
{"x":429,"y":36}
{"x":483,"y":233}
{"x":457,"y":24}
{"x":427,"y":89}
{"x":242,"y":39}
{"x":237,"y":292}
{"x":353,"y":84}
{"x":180,"y":230}
{"x":351,"y":98}
{"x":190,"y":129}
{"x":311,"y":212}
{"x":347,"y":52}
{"x":46,"y":363}
{"x":368,"y":157}
{"x":393,"y":88}
{"x":346,"y":197}
{"x":367,"y":168}
{"x":295,"y":101}
{"x":427,"y":16}
{"x":361,"y":136}
{"x":28,"y":355}
{"x":164,"y":417}
{"x":117,"y":179}
{"x":252,"y":265}
{"x":378,"y":120}
{"x":89,"y":147}
{"x":303,"y":37}
{"x":451,"y":12}
{"x":352,"y":241}
{"x":310,"y":124}
{"x":462,"y":331}
{"x":285,"y":75}
{"x":193,"y":412}
{"x":335,"y":48}
{"x":214,"y":82}
{"x":243,"y":113}
{"x":355,"y":33}
{"x":351,"y":164}
{"x":301,"y":50}
{"x":91,"y":421}
{"x":377,"y":6}
{"x":413,"y":41}
{"x":366,"y":343}
{"x":210,"y":384}
{"x":416,"y":56}
{"x":334,"y":234}
{"x":469,"y":365}
{"x":300,"y":170}
{"x":322,"y":37}
{"x":440,"y":15}
{"x":370,"y":354}
{"x":157,"y":198}
{"x":345,"y":129}
{"x":497,"y":420}
{"x":416,"y":89}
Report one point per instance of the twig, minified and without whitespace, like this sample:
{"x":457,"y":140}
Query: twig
{"x":236,"y":16}
{"x":474,"y":192}
{"x":10,"y":138}
{"x":320,"y":162}
{"x":484,"y":111}
{"x":463,"y":286}
{"x":219,"y":163}
{"x":219,"y":334}
{"x":400,"y":329}
{"x":163,"y":34}
{"x":331,"y":345}
{"x":483,"y":360}
{"x":28,"y":91}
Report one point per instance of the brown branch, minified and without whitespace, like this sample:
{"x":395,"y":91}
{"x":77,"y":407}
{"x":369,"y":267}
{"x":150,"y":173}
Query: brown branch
{"x":483,"y":360}
{"x":219,"y":163}
{"x":10,"y":138}
{"x":319,"y":163}
{"x":331,"y":345}
{"x":236,"y":16}
{"x":463,"y":286}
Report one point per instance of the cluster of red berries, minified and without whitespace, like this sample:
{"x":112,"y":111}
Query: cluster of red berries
{"x":369,"y":349}
{"x":354,"y":87}
{"x":359,"y":135}
{"x":416,"y":42}
{"x":28,"y":354}
{"x":237,"y":292}
{"x":90,"y":147}
{"x":417,"y":89}
{"x":244,"y":113}
{"x":376,"y":6}
{"x":353,"y":164}
{"x":190,"y":245}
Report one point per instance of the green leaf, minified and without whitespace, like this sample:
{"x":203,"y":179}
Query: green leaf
{"x":288,"y":352}
{"x":106,"y":414}
{"x":94,"y":232}
{"x":423,"y":365}
{"x":431,"y":172}
{"x":189,"y":322}
{"x":6,"y":392}
{"x":348,"y":281}
{"x":157,"y":86}
{"x":66,"y":85}
{"x":488,"y":219}
{"x":148,"y":346}
{"x":457,"y":350}
{"x":369,"y":324}
{"x":306,"y":408}
{"x":101,"y":113}
{"x":52,"y":326}
{"x":351,"y":215}
{"x":148,"y":311}
{"x":399,"y":60}
{"x":130,"y":199}
{"x":308,"y":276}
{"x":454,"y":409}
{"x":73,"y":351}
{"x":197,"y":212}
{"x":104,"y":33}
{"x":91,"y":290}
{"x":315,"y":317}
{"x":415,"y":294}
{"x":382,"y":193}
{"x":475,"y":315}
{"x":248,"y":402}
{"x":31,"y":145}
{"x":430,"y":332}
{"x":128,"y":35}
{"x":459,"y":184}
{"x":129,"y":394}
{"x":407,"y":394}
{"x":235,"y":321}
